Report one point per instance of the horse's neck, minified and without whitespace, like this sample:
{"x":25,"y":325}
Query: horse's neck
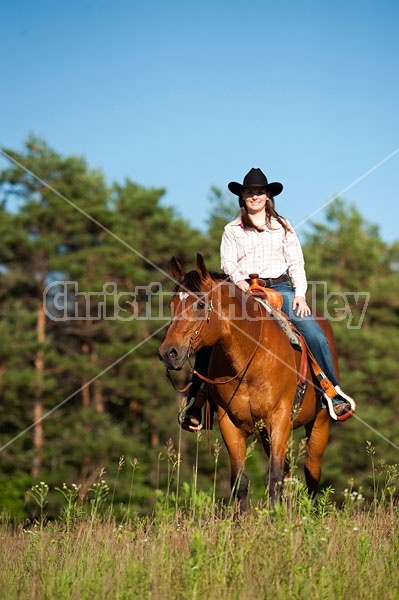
{"x":241,"y":328}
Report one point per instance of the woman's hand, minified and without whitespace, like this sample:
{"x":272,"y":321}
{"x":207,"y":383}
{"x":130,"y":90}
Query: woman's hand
{"x":300,"y":304}
{"x":243,"y":285}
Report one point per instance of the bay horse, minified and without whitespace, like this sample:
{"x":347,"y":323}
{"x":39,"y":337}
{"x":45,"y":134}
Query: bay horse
{"x":253,"y":374}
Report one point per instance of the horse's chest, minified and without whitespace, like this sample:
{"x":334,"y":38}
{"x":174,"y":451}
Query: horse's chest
{"x":247,"y":407}
{"x":242,"y":408}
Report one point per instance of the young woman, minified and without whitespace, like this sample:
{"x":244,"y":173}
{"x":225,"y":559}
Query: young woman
{"x":261,"y":241}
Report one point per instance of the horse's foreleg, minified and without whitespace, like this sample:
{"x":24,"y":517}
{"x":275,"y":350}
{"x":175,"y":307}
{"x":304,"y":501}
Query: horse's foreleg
{"x":239,"y":482}
{"x":278,"y":466}
{"x":317,"y":433}
{"x":235,"y":441}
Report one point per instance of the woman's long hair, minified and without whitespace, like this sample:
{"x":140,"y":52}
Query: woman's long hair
{"x":270,"y":212}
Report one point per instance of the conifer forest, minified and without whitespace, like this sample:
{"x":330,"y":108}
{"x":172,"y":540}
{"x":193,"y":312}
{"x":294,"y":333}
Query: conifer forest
{"x":84,"y":284}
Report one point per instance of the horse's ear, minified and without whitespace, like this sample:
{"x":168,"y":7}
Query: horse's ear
{"x":201,"y":267}
{"x":176,"y":269}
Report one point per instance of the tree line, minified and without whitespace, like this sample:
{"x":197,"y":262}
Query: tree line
{"x":81,"y":384}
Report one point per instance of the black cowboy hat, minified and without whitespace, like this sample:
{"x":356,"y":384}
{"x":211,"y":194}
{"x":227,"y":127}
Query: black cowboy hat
{"x":255,"y":178}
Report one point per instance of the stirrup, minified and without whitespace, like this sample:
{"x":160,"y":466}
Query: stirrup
{"x":330,"y":405}
{"x":184,"y":419}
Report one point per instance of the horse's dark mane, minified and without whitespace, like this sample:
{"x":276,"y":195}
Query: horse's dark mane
{"x":191,"y":282}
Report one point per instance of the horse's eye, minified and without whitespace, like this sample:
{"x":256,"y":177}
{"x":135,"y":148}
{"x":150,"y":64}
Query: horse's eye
{"x":200,"y":304}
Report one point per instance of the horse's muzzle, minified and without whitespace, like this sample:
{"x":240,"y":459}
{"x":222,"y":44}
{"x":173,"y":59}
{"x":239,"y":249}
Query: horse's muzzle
{"x":173,"y":356}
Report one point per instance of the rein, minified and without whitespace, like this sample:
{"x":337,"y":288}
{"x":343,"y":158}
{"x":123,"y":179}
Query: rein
{"x":190,"y":351}
{"x":244,"y":368}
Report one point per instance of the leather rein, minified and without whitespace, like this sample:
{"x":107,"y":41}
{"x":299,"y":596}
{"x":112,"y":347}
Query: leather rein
{"x":190,"y":352}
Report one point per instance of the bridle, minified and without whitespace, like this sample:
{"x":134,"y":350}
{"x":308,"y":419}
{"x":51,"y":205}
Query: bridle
{"x":197,"y":332}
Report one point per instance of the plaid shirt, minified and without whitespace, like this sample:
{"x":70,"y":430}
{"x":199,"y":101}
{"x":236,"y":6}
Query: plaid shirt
{"x":270,"y":253}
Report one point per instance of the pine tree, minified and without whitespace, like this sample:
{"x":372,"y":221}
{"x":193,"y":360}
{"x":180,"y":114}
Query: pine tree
{"x":56,"y":195}
{"x":346,"y":256}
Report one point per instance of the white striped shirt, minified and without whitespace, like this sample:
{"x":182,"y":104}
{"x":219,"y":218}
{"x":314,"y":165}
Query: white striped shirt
{"x":270,"y":253}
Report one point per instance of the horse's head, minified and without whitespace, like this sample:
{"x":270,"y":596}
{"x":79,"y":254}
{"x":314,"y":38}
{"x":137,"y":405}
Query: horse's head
{"x":195,"y":323}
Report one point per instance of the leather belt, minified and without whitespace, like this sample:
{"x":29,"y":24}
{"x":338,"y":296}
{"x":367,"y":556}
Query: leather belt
{"x":269,"y":281}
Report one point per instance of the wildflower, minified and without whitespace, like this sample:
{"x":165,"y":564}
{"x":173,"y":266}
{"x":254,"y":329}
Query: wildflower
{"x":293,"y":480}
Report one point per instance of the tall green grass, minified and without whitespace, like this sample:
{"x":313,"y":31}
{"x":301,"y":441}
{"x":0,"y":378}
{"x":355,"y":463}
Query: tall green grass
{"x":191,"y":546}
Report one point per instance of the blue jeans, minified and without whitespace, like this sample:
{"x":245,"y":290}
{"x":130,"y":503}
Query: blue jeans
{"x":310,"y":329}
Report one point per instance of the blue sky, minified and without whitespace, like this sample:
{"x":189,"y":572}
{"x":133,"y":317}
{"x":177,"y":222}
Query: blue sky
{"x":188,"y":95}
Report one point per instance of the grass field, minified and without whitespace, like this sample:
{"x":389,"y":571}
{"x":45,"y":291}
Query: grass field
{"x":300,"y":550}
{"x":193,"y":547}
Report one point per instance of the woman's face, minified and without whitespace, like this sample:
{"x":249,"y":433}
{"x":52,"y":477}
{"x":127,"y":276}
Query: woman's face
{"x":255,"y":199}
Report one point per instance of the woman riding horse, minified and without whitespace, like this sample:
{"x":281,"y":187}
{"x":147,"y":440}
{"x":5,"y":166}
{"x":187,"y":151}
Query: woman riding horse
{"x":261,"y":241}
{"x":252,"y":375}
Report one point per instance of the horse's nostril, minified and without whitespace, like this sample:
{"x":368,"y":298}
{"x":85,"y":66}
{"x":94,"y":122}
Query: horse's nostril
{"x":169,"y":354}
